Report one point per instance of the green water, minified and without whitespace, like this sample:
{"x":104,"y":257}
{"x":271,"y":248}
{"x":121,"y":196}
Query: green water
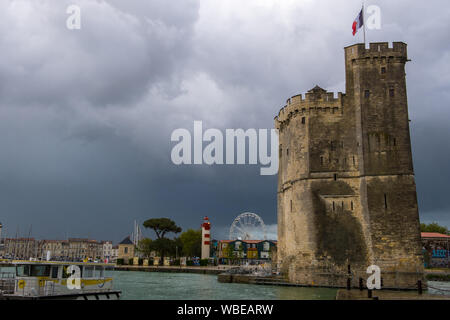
{"x":187,"y":286}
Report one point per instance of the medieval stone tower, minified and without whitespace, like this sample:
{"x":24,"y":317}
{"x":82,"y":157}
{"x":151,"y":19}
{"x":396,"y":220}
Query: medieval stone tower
{"x":346,"y":189}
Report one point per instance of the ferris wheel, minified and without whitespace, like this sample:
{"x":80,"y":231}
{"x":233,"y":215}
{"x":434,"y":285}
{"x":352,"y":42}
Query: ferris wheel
{"x":248,"y":226}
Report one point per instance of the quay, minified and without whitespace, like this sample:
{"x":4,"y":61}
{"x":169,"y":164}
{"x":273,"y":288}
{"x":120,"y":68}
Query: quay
{"x":430,"y":275}
{"x":356,"y":294}
{"x":175,"y":269}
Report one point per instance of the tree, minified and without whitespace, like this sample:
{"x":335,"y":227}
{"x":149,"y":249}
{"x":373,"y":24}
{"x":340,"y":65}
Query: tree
{"x":164,"y":247}
{"x":191,"y":242}
{"x":161,"y":226}
{"x":146,"y":247}
{"x":230,"y":252}
{"x":241,"y":251}
{"x":433,"y":227}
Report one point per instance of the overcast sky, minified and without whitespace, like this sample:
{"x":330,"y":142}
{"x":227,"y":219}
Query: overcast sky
{"x":86,"y":115}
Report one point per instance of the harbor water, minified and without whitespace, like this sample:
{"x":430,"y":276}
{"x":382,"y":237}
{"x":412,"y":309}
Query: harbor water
{"x":189,"y":286}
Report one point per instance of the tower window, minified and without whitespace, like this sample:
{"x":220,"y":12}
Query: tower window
{"x":334,"y":208}
{"x":332,"y":146}
{"x":321,"y":161}
{"x":351,"y":205}
{"x":303,"y":120}
{"x":391,"y":92}
{"x":366,"y":93}
{"x":335,"y":177}
{"x":383,"y":70}
{"x":291,"y":206}
{"x":287,"y":152}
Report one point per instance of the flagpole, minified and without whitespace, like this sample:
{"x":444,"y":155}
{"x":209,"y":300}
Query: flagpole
{"x":364,"y":24}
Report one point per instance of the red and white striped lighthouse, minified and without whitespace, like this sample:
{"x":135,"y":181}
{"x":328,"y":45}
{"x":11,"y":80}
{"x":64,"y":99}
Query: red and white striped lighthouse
{"x":206,"y":238}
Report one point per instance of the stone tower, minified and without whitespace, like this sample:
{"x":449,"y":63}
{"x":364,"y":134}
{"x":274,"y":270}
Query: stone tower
{"x":346,"y":189}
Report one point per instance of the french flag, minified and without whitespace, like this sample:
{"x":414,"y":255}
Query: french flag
{"x":358,"y":23}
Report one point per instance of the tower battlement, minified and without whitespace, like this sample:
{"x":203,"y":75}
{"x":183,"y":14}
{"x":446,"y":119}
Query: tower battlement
{"x":376,"y":50}
{"x":315,"y":101}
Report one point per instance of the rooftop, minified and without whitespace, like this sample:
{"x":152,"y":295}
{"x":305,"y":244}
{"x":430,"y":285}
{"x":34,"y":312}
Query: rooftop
{"x":434,"y":235}
{"x":127,"y":240}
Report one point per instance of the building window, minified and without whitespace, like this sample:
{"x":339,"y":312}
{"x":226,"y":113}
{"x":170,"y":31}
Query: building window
{"x":385,"y":201}
{"x":125,"y":250}
{"x":366,"y":93}
{"x":351,"y":205}
{"x":383,"y":70}
{"x":335,"y":177}
{"x":291,"y":206}
{"x":287,"y":152}
{"x":334,"y":207}
{"x":303,"y":120}
{"x":321,"y":161}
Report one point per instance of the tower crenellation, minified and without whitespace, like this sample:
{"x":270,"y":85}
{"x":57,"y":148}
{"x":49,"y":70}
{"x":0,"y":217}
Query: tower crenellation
{"x":316,"y":101}
{"x":376,"y":49}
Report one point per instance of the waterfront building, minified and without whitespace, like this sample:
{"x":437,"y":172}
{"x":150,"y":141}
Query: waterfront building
{"x":245,"y":250}
{"x":436,"y":250}
{"x":19,"y":248}
{"x":114,"y":253}
{"x":59,"y":249}
{"x":214,"y":249}
{"x":82,"y":249}
{"x":107,"y":250}
{"x":126,"y":250}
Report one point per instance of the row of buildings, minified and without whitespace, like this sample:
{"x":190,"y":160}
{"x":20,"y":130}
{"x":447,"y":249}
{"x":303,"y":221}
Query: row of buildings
{"x":72,"y":249}
{"x":244,"y":250}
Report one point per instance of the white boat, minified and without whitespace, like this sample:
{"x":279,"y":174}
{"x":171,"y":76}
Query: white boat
{"x":56,"y":280}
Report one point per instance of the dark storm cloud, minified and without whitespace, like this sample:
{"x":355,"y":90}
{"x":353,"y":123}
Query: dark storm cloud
{"x":86,"y":116}
{"x":114,"y":59}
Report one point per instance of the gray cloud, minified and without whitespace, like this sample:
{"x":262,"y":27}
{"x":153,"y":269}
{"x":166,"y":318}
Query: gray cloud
{"x":86,"y":116}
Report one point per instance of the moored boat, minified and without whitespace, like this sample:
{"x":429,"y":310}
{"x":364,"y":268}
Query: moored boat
{"x":56,"y":280}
